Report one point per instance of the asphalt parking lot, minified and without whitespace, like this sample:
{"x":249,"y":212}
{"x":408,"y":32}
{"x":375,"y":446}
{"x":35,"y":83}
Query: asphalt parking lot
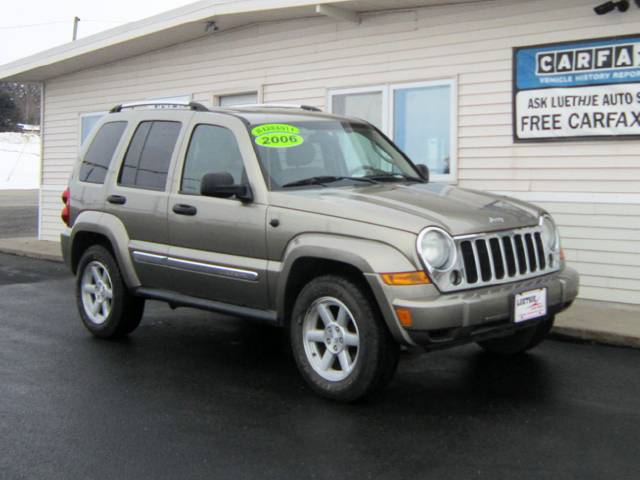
{"x":195,"y":395}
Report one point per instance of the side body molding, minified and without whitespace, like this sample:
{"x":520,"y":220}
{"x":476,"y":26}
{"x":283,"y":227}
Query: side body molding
{"x":111,"y":227}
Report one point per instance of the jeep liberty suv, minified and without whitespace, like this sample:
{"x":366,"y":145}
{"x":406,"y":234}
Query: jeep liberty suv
{"x":313,"y":222}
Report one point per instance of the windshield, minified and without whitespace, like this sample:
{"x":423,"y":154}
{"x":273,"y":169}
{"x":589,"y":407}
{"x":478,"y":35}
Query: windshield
{"x":314,"y":153}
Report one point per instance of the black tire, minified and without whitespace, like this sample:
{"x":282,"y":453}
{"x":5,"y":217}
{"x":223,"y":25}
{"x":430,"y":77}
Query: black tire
{"x":377,"y":353}
{"x":520,"y":341}
{"x":125,"y":309}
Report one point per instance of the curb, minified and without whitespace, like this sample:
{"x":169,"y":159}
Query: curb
{"x":595,"y":336}
{"x":20,"y":252}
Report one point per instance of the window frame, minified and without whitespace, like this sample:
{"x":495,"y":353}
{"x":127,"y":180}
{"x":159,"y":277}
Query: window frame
{"x":130,"y":141}
{"x":452,"y":176}
{"x":388,"y":96}
{"x":383,"y":89}
{"x":216,"y":100}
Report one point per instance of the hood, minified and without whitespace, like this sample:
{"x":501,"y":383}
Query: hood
{"x":411,"y":207}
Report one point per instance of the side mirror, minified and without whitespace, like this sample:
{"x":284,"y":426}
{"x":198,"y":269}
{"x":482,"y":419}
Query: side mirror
{"x":221,"y":185}
{"x":423,"y":170}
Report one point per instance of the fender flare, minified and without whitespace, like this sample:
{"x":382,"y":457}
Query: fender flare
{"x":368,"y":256}
{"x":114,"y":230}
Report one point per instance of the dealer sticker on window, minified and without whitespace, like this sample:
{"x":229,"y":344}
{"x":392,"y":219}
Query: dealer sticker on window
{"x":530,"y":304}
{"x":277,"y":135}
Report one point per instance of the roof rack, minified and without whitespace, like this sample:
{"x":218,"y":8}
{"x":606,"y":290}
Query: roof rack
{"x":198,"y":107}
{"x":309,"y":108}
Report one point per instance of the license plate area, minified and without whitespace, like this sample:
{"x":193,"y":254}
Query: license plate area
{"x":529,"y":305}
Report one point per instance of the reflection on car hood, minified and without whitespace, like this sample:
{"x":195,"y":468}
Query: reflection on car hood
{"x":411,"y":207}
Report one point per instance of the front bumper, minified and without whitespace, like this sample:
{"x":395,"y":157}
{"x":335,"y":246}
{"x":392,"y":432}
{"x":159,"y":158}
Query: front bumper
{"x":444,"y":319}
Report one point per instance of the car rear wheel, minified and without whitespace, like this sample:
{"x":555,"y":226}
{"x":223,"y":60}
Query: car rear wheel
{"x":340,"y":342}
{"x":520,"y":341}
{"x":106,"y":307}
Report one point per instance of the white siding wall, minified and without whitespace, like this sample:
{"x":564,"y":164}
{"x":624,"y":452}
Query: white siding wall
{"x":592,"y":188}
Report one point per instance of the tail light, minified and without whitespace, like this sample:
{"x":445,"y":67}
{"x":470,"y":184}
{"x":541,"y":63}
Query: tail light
{"x":66,"y":199}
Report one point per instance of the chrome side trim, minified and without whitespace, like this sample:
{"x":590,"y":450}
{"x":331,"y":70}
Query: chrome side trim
{"x":212,"y":269}
{"x":152,"y":258}
{"x":193,"y":266}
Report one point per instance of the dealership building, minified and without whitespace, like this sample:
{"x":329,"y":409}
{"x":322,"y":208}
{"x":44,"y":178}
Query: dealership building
{"x":537,"y":99}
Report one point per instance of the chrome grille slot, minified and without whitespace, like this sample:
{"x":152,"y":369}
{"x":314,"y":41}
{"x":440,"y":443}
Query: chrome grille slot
{"x":483,"y":257}
{"x":531,"y":253}
{"x":499,"y":257}
{"x":468,"y":259}
{"x":540,"y":249}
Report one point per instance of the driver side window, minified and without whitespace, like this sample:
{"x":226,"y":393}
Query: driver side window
{"x":212,"y":149}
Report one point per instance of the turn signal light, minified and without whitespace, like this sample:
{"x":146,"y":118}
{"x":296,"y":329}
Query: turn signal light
{"x":405,"y":278}
{"x":404,"y":315}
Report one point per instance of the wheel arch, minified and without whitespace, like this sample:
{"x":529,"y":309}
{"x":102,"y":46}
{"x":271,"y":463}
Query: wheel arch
{"x":312,"y":255}
{"x":91,"y":228}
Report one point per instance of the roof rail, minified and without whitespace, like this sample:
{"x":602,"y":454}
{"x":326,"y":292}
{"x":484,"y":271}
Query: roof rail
{"x":198,"y":107}
{"x":280,"y":105}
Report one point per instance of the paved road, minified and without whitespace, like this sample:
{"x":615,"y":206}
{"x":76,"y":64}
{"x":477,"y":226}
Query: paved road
{"x":195,"y":395}
{"x":18,"y":213}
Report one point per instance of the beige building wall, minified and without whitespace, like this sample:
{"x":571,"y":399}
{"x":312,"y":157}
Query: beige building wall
{"x":592,"y":188}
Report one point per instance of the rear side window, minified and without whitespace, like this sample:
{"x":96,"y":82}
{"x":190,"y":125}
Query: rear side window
{"x":147,"y":160}
{"x":95,"y":164}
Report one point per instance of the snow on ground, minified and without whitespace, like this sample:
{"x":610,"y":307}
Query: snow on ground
{"x":19,"y":161}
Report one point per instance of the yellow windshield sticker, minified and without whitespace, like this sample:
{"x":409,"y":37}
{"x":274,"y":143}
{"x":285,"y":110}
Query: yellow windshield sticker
{"x":277,"y":135}
{"x":279,"y":140}
{"x":274,"y":128}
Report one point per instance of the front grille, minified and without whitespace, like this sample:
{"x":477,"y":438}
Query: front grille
{"x":501,"y":257}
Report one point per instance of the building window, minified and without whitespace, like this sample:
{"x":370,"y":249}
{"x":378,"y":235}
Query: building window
{"x":148,"y":157}
{"x":87,"y":122}
{"x":236,"y":99}
{"x":365,"y":103}
{"x":419,"y":117}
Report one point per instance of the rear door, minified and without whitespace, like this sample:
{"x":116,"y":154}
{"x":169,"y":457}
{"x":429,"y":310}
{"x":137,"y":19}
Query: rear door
{"x":139,"y":194}
{"x":218,"y":245}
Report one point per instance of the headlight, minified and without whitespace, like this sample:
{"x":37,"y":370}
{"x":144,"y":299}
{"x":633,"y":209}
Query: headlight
{"x":437,"y":249}
{"x":550,"y":236}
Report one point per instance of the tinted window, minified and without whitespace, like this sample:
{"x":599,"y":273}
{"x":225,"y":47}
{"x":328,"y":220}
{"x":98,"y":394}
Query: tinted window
{"x":211,"y":149}
{"x":147,"y":160}
{"x":98,"y":157}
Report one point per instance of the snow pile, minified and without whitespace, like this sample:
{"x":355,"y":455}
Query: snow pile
{"x":19,"y":161}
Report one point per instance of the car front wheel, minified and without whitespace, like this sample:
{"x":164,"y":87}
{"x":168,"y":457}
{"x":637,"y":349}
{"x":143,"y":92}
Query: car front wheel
{"x":340,"y":342}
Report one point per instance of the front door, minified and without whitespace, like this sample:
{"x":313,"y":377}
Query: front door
{"x":217,"y":245}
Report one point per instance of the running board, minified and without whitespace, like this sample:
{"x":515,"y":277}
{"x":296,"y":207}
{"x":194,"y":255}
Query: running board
{"x":180,"y":300}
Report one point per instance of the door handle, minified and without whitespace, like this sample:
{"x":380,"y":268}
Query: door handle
{"x":117,"y":199}
{"x":182,"y":209}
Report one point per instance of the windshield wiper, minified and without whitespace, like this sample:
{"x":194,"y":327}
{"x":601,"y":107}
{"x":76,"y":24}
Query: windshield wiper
{"x":393,"y":177}
{"x":324,"y":179}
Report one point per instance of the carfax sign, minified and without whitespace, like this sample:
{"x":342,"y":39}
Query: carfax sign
{"x":582,"y":89}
